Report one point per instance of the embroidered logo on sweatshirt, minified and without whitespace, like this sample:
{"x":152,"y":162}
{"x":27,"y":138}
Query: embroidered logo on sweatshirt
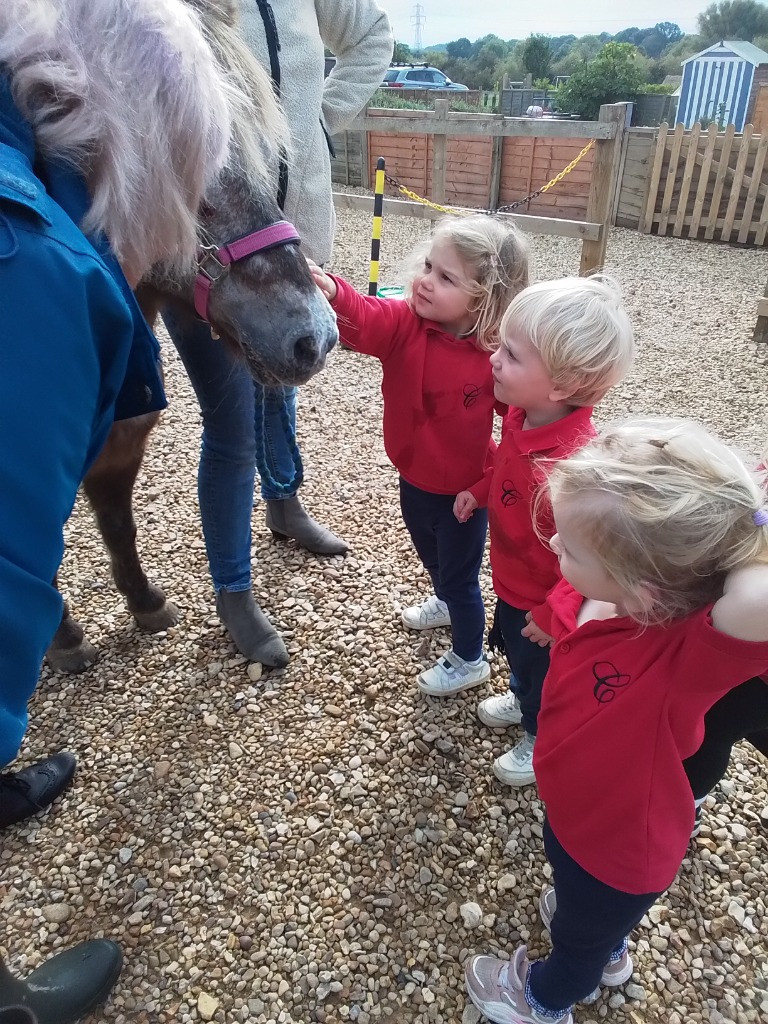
{"x":471,"y":395}
{"x":609,"y":681}
{"x":509,"y":494}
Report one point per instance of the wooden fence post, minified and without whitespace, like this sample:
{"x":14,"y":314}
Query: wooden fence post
{"x":605,"y":181}
{"x":760,"y":336}
{"x":497,"y":147}
{"x":365,"y":153}
{"x":439,"y":148}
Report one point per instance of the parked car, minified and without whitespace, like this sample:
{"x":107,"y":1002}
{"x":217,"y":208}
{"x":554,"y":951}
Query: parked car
{"x":418,"y":76}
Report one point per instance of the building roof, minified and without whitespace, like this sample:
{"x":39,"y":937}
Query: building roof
{"x":747,"y":51}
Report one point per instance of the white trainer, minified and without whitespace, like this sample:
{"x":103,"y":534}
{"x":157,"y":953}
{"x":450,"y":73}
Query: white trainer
{"x":515,"y":768}
{"x":500,"y":991}
{"x":428,"y":615}
{"x":452,"y":674}
{"x":500,"y":711}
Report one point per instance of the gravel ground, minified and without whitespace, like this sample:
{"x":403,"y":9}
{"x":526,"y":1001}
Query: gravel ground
{"x":323,"y":843}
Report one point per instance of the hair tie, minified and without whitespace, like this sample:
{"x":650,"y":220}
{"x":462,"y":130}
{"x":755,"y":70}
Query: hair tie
{"x":760,"y":518}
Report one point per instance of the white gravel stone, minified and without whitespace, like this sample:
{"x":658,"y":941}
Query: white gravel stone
{"x":206,"y":1006}
{"x":471,"y":915}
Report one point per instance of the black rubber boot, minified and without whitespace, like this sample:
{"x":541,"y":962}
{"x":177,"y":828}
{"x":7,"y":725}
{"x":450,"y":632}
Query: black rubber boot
{"x":288,"y":520}
{"x":65,"y":988}
{"x":32,"y":789}
{"x":17,"y":1015}
{"x":253,"y":634}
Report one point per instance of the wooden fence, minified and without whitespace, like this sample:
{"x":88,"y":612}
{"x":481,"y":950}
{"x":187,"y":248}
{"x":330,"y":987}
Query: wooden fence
{"x":708,"y":184}
{"x":700,"y":184}
{"x":459,"y":159}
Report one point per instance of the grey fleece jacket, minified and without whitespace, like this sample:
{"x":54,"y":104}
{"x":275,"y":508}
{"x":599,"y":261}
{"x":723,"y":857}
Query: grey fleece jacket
{"x":359,"y":34}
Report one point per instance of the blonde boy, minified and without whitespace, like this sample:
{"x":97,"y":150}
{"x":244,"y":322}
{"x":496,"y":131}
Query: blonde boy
{"x":565,"y":343}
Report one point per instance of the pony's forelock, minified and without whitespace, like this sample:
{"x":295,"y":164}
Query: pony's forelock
{"x":134,"y":94}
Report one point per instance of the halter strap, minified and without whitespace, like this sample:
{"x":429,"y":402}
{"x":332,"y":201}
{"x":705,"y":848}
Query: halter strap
{"x":213,"y":261}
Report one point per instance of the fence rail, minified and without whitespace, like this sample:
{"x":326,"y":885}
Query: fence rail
{"x":698,"y":183}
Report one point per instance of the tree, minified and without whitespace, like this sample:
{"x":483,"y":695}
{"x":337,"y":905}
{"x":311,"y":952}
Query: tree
{"x":629,"y":35}
{"x":402,"y":53}
{"x":613,"y":75}
{"x":733,"y":19}
{"x":670,"y":31}
{"x":536,"y":56}
{"x":460,"y":49}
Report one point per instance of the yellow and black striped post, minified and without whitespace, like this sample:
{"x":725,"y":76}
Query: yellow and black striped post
{"x":378,"y":210}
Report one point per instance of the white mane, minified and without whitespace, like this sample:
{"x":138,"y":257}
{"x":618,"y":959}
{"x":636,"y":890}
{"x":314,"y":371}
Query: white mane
{"x":133,"y":93}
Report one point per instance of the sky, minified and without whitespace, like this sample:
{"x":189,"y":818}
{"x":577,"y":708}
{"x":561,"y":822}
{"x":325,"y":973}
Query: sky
{"x":446,"y":20}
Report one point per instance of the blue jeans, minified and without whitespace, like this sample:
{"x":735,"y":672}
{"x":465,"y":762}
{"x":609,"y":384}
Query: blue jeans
{"x":452,"y":553}
{"x":233,"y":431}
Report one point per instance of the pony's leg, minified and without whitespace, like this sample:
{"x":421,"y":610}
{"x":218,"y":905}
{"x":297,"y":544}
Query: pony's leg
{"x":69,"y":652}
{"x":109,"y":488}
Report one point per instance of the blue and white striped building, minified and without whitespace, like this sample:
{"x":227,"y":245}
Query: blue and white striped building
{"x":721,"y":77}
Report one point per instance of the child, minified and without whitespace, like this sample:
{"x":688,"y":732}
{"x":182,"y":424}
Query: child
{"x":564,"y":344}
{"x":438,"y":410}
{"x":742,"y":714}
{"x":662,"y":539}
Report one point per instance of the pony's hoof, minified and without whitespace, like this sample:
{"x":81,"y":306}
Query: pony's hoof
{"x":72,"y":660}
{"x":157,"y":621}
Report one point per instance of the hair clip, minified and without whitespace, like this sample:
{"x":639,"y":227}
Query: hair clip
{"x":760,"y":517}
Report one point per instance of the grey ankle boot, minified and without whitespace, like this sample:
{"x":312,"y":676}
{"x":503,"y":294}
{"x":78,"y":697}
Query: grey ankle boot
{"x":253,"y":634}
{"x":288,"y":519}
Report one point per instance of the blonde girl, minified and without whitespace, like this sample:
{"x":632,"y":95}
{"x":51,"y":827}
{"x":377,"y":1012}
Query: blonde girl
{"x":438,"y":409}
{"x":662,"y":538}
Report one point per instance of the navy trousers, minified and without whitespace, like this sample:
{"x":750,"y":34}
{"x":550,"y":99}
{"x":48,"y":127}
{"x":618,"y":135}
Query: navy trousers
{"x":528,"y":662}
{"x":592,"y":921}
{"x":452,"y":553}
{"x":742,"y":714}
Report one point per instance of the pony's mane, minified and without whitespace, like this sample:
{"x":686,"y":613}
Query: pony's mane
{"x":144,"y":97}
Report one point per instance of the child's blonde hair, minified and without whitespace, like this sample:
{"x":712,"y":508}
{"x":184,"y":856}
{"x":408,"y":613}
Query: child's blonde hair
{"x":667,"y":508}
{"x":580,"y":328}
{"x":495,"y":254}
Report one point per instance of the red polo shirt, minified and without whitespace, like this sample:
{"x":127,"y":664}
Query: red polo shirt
{"x":438,"y":391}
{"x":524,"y":567}
{"x":621,"y":710}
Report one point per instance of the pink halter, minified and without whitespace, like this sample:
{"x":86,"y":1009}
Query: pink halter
{"x":220,"y":258}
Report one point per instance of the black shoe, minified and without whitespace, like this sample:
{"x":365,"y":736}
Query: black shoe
{"x":17,"y":1015}
{"x":32,"y":789}
{"x":67,"y":987}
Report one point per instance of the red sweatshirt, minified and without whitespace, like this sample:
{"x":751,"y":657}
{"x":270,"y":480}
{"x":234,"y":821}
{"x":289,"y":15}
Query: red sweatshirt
{"x":438,"y":391}
{"x":524,"y":567}
{"x":621,"y":710}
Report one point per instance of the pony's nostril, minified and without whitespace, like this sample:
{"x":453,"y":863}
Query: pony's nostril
{"x":306,"y":350}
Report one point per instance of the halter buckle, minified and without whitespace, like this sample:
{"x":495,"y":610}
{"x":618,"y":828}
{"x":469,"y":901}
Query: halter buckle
{"x":209,"y":254}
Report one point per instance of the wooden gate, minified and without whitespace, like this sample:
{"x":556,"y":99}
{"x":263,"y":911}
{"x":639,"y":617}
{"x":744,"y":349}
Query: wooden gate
{"x":708,"y":184}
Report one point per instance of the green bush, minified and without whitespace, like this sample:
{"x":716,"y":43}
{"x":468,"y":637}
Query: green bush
{"x":390,"y":99}
{"x":659,"y":89}
{"x":612,"y":76}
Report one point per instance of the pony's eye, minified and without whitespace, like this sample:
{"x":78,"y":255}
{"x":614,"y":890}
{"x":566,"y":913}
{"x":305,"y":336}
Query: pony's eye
{"x":206,"y":210}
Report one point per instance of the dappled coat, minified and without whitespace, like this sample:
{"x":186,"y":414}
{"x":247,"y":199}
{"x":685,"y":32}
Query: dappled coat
{"x":358,"y":33}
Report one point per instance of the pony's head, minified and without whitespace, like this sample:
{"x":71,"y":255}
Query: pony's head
{"x":128,"y":92}
{"x":159,"y":104}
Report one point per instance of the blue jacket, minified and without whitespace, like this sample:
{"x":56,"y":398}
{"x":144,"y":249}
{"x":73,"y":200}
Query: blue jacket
{"x":68,"y":326}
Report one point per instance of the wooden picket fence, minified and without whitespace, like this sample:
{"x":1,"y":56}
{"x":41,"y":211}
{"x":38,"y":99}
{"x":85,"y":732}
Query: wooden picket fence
{"x":707,"y":184}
